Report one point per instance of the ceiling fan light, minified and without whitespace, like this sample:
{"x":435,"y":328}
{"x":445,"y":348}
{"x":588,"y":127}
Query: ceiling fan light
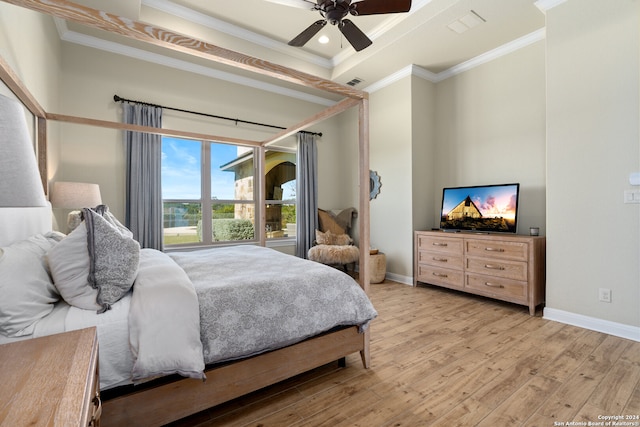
{"x":323,"y":40}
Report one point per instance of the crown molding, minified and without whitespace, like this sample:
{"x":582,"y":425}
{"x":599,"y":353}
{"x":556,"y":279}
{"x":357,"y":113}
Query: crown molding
{"x":415,"y":70}
{"x":191,"y":15}
{"x":143,"y":55}
{"x":496,"y":53}
{"x":409,"y":70}
{"x":545,"y":5}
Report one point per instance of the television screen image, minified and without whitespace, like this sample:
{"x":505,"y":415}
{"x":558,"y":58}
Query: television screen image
{"x":483,"y":208}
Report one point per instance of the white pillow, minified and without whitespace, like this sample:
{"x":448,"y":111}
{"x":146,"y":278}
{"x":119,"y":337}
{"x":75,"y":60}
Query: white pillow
{"x":27,"y":291}
{"x":69,"y":265}
{"x":115,"y":262}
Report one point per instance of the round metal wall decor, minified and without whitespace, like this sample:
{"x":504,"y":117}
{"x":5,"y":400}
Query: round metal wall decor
{"x":374,"y":184}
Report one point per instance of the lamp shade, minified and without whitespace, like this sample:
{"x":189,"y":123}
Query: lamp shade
{"x":75,"y":195}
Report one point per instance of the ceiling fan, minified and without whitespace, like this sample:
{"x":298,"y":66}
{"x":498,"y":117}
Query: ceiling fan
{"x":334,"y":12}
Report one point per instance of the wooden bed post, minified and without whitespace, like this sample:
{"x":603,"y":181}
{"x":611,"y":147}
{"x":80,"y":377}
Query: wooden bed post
{"x":364,"y":220}
{"x":260,"y":196}
{"x":363,"y":215}
{"x":42,"y":141}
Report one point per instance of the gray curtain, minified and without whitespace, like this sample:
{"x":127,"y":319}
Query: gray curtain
{"x":306,"y":193}
{"x":143,"y":207}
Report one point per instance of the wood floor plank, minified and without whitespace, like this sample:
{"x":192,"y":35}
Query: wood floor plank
{"x":444,"y":358}
{"x":516,"y":409}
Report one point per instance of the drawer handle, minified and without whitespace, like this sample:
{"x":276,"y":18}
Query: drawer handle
{"x":440,"y":275}
{"x":97,"y":414}
{"x":491,"y":285}
{"x":440,"y":244}
{"x":493,"y":267}
{"x":494,"y":249}
{"x":440,"y":259}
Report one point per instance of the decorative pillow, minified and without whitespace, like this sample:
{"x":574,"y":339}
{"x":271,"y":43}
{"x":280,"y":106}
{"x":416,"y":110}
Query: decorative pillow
{"x":114,"y":256}
{"x":328,"y":222}
{"x":323,"y":238}
{"x":94,"y":270}
{"x":69,"y":265}
{"x":329,"y":238}
{"x":25,"y":285}
{"x":342,"y":240}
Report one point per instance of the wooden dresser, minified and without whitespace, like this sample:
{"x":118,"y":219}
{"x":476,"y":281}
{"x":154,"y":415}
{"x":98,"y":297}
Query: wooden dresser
{"x":505,"y":267}
{"x":51,"y":381}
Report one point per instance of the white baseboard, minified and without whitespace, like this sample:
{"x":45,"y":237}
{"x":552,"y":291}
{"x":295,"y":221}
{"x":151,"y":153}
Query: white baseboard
{"x":399,"y":278}
{"x":592,"y":323}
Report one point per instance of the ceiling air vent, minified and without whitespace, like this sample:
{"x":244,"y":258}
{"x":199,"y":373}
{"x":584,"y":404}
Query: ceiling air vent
{"x":355,"y":81}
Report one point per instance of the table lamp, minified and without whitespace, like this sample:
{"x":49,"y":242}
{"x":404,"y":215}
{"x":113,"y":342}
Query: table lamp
{"x":75,"y":195}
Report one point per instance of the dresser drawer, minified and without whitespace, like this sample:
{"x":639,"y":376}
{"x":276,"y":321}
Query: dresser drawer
{"x":440,"y":259}
{"x":507,"y":269}
{"x":497,"y":249}
{"x":448,"y":278}
{"x":440,"y":244}
{"x":495,"y":287}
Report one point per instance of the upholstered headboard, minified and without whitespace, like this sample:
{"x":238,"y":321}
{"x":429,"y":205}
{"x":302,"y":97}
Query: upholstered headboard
{"x":24,"y":209}
{"x":20,"y":223}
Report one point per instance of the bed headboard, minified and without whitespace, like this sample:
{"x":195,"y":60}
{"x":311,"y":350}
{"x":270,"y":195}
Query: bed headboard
{"x":19,"y":223}
{"x":24,"y":209}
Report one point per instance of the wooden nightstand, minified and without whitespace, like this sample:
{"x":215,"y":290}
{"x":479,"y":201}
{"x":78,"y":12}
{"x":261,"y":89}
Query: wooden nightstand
{"x":52,"y":381}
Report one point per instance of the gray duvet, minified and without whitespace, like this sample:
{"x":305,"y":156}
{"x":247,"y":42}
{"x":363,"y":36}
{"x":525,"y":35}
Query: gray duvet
{"x":254,"y":299}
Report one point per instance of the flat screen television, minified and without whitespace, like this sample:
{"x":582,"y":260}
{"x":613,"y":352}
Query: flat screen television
{"x":480,"y":208}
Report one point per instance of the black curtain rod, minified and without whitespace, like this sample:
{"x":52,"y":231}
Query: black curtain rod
{"x":117,"y":98}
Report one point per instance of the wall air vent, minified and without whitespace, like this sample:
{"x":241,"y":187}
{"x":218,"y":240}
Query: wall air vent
{"x":355,"y":81}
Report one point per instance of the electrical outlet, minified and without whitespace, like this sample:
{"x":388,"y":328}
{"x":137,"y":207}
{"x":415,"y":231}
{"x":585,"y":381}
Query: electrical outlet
{"x":604,"y":294}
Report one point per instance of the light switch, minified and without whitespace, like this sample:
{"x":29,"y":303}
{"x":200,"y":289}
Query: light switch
{"x":632,"y":196}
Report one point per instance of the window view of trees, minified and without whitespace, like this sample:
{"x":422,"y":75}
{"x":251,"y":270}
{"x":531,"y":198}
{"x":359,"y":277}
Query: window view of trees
{"x":221,"y":192}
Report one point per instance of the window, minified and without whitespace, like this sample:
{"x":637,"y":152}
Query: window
{"x":280,"y":194}
{"x":207,"y":192}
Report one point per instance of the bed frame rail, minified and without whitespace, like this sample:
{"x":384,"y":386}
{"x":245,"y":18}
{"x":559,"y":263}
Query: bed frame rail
{"x":169,"y":402}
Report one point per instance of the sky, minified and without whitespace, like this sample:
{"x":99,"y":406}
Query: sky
{"x":181,"y":163}
{"x":492,"y":201}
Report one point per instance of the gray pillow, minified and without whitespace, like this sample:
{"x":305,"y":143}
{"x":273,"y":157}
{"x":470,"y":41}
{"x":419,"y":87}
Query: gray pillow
{"x":114,"y":256}
{"x":27,"y":291}
{"x":93,"y":270}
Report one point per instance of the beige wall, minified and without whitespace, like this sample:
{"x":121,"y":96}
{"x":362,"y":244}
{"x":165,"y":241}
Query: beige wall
{"x":390,"y":145}
{"x":30,"y":45}
{"x":402,"y":131}
{"x":424,"y":125}
{"x":593,"y":144}
{"x":490,"y":129}
{"x":484,"y":126}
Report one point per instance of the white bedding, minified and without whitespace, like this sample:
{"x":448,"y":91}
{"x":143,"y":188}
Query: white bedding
{"x":115,"y":358}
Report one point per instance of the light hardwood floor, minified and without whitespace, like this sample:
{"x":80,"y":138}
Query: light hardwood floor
{"x":441,"y":358}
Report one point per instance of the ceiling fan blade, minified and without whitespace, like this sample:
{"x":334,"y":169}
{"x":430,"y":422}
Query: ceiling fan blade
{"x":354,"y":35}
{"x":376,"y":7}
{"x":302,"y":38}
{"x":301,"y":4}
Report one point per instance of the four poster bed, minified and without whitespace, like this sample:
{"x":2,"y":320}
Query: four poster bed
{"x":231,"y":374}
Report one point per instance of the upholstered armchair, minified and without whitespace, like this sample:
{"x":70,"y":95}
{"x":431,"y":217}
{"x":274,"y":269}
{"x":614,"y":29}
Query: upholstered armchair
{"x":333,"y":245}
